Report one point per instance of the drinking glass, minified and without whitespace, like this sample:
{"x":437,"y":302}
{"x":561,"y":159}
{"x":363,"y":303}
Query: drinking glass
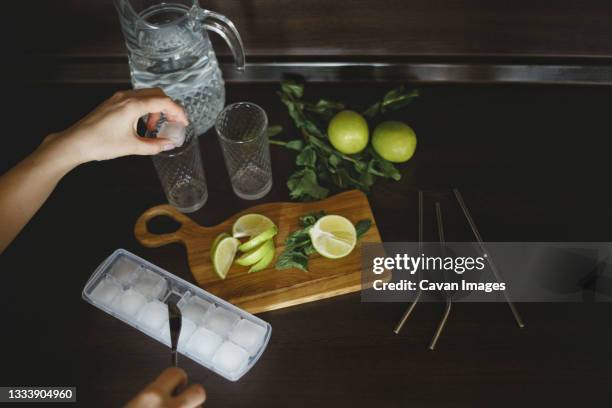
{"x":181,"y":174}
{"x":242,"y":135}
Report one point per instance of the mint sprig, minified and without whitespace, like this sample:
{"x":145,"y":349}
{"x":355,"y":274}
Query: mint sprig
{"x":298,"y":246}
{"x":321,"y":169}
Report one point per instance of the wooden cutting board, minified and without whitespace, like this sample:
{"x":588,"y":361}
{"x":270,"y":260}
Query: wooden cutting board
{"x":269,"y":289}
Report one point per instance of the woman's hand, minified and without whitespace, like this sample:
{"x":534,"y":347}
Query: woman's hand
{"x":109,"y":131}
{"x":158,"y":394}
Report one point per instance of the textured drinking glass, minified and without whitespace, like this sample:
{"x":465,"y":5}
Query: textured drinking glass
{"x":242,"y":134}
{"x":182,"y":175}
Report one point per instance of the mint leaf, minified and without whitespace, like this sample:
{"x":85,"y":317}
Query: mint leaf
{"x":362,"y":227}
{"x":293,"y":89}
{"x":307,"y":157}
{"x":393,"y":100}
{"x":296,"y":144}
{"x":325,"y":108}
{"x":383,"y":167}
{"x":372,"y":111}
{"x":309,"y":249}
{"x":334,"y":160}
{"x":298,"y":238}
{"x":272,"y":131}
{"x":310,"y":218}
{"x":292,"y":259}
{"x":303,"y":186}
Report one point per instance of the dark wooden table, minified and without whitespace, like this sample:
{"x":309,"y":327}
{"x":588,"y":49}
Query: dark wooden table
{"x":532,"y":162}
{"x":359,"y":28}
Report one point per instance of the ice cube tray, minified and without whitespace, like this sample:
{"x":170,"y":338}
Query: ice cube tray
{"x":131,"y":289}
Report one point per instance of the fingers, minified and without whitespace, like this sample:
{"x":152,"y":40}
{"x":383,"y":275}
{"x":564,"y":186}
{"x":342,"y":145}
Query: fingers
{"x":148,"y":147}
{"x":146,"y":92}
{"x":170,"y":379}
{"x":160,"y":392}
{"x":164,"y":104}
{"x":152,"y":120}
{"x":154,"y":101}
{"x":151,"y":101}
{"x":173,"y":377}
{"x":192,"y":397}
{"x":135,"y":93}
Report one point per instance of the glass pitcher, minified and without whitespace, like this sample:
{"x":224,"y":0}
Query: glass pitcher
{"x":168,"y":47}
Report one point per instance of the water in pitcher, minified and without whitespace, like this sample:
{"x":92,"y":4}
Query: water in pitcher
{"x":176,"y":57}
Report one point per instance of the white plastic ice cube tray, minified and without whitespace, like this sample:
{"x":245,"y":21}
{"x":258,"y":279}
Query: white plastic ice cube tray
{"x":215,"y":333}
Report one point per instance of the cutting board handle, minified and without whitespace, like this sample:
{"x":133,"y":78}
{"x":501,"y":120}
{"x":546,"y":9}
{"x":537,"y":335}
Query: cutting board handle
{"x":151,"y":240}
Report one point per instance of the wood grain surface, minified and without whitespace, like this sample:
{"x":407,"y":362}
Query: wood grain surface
{"x":360,"y":28}
{"x":268,"y":289}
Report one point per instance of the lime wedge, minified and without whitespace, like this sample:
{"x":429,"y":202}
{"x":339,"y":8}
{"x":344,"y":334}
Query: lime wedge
{"x":259,"y":239}
{"x":250,"y":225}
{"x":265,"y":261}
{"x":223,"y":255}
{"x":216,"y":242}
{"x":333,"y":236}
{"x":255,"y":255}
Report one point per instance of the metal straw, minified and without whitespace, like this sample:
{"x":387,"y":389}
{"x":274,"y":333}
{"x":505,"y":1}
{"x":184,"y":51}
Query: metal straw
{"x":408,"y":311}
{"x":470,"y":221}
{"x":449,"y":300}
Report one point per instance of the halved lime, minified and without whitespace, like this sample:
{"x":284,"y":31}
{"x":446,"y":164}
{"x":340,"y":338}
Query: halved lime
{"x":250,"y":225}
{"x":255,"y":255}
{"x":333,"y":236}
{"x":259,"y":239}
{"x":223,"y":255}
{"x":265,"y":261}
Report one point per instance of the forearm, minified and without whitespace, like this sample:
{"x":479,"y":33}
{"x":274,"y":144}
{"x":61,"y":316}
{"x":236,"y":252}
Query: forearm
{"x":107,"y":132}
{"x":25,"y":187}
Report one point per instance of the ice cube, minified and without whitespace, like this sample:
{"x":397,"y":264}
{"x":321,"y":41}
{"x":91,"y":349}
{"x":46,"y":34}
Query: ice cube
{"x":106,"y":292}
{"x":230,"y":358}
{"x":154,"y":315}
{"x":124,"y":270}
{"x":248,"y":335}
{"x":175,"y":132}
{"x":130,"y":303}
{"x":203,"y":344}
{"x":220,"y":320}
{"x":187,"y":329}
{"x":194,"y":308}
{"x":150,"y":284}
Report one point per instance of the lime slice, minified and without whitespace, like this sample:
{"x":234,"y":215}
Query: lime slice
{"x":259,"y":239}
{"x":223,"y":255}
{"x":250,"y":225}
{"x":216,"y":242}
{"x":266,"y":260}
{"x":333,"y":236}
{"x":255,"y":255}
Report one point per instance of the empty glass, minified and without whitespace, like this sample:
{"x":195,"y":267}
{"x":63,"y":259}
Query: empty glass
{"x":242,"y":134}
{"x":182,"y":175}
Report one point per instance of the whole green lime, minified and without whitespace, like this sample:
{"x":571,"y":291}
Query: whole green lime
{"x":394,"y":141}
{"x":348,"y":132}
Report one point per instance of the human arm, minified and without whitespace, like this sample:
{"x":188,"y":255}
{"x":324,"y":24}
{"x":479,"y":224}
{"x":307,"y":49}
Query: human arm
{"x":109,"y":131}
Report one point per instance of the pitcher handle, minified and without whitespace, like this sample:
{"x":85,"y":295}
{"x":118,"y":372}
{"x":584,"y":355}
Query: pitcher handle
{"x":227,"y":30}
